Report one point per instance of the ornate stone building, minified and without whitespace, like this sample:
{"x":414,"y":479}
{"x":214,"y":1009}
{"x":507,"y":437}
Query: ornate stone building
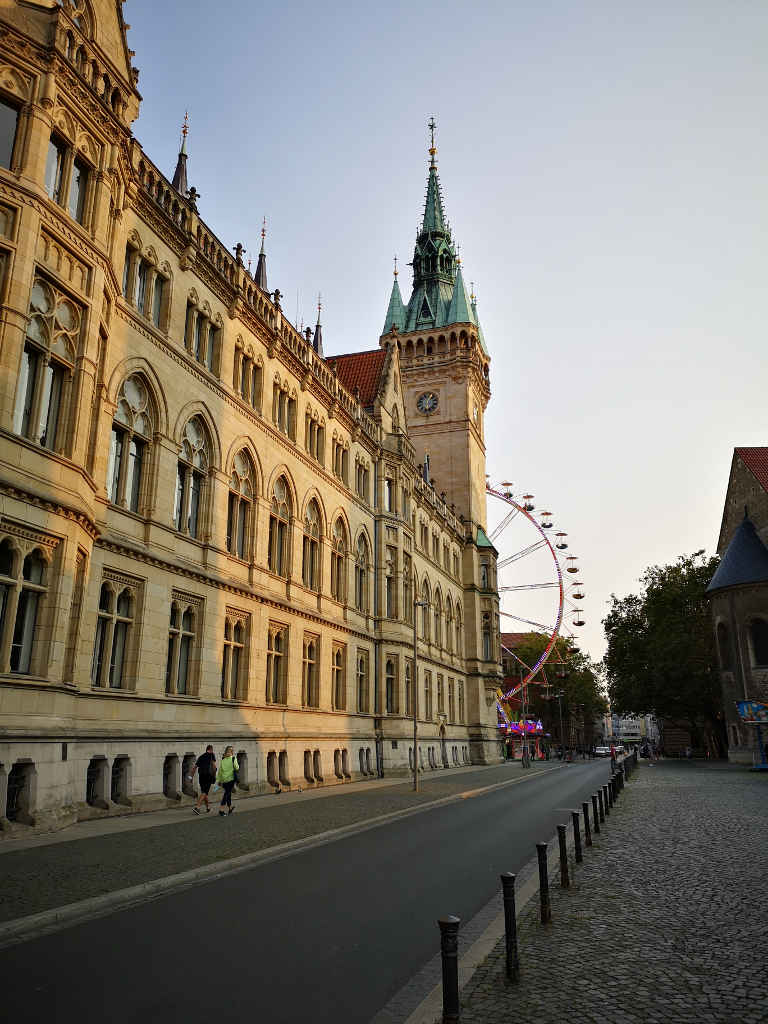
{"x":210,"y":531}
{"x":738,"y":596}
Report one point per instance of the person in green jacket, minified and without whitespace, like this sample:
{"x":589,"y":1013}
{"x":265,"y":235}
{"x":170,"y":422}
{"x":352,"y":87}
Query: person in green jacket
{"x":226,"y":776}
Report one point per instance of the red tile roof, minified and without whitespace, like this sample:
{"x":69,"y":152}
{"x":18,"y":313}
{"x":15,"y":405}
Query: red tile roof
{"x":756,"y":461}
{"x":512,"y":640}
{"x":361,"y":370}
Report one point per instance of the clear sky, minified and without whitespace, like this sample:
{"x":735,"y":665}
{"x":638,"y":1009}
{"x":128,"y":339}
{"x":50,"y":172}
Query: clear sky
{"x":603,"y":167}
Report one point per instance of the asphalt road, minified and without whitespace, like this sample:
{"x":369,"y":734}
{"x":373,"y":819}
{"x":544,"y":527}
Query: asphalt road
{"x":330,"y":934}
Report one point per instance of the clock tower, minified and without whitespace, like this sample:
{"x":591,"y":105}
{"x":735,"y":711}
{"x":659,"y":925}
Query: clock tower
{"x":444,"y":363}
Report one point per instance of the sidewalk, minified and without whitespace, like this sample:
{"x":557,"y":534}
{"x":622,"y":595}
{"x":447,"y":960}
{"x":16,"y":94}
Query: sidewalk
{"x":666,"y":921}
{"x":101,"y":857}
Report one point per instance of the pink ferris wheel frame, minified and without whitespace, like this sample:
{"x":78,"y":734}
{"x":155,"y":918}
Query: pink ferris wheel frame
{"x":506,"y":497}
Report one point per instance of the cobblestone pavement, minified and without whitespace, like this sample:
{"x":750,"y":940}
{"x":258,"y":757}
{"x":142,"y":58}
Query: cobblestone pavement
{"x":42,"y":877}
{"x":667,"y":920}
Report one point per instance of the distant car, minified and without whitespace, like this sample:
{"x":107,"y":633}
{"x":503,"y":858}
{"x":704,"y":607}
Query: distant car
{"x":603,"y":751}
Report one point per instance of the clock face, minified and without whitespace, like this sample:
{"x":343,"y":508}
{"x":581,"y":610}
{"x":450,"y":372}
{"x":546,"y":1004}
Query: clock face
{"x":427,"y":402}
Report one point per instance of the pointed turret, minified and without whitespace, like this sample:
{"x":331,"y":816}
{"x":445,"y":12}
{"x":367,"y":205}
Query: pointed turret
{"x":395,"y":310}
{"x":180,"y":174}
{"x":317,"y":340}
{"x":459,"y":311}
{"x":434,"y":258}
{"x":476,"y":321}
{"x":261,"y":266}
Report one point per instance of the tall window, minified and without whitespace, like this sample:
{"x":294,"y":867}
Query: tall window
{"x":232,"y":659}
{"x":310,"y":690}
{"x":361,"y":480}
{"x":9,"y":117}
{"x":277,"y":644}
{"x":340,"y":461}
{"x":428,"y":696}
{"x":440,"y":695}
{"x":389,"y":494}
{"x":438,"y":620}
{"x":191,"y":472}
{"x":181,"y":648}
{"x":451,"y":701}
{"x":724,"y":647}
{"x":449,"y":626}
{"x":314,"y":440}
{"x":484,"y":575}
{"x":461,"y":702}
{"x":408,"y":689}
{"x":758,"y":635}
{"x":310,"y":570}
{"x":20,"y":606}
{"x":363,"y":698}
{"x":113,"y":628}
{"x":459,"y":648}
{"x":338,"y":677}
{"x":425,"y":611}
{"x":487,"y":645}
{"x":247,"y":376}
{"x":284,"y":410}
{"x":66,"y":177}
{"x":278,"y":559}
{"x":132,"y":431}
{"x":390,"y":683}
{"x":240,"y":506}
{"x":47,"y":364}
{"x":390,"y":583}
{"x":361,"y":575}
{"x":407,"y":589}
{"x":201,"y":335}
{"x":339,"y":562}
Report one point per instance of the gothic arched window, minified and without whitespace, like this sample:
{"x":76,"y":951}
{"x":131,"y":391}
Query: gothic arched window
{"x":338,"y":562}
{"x":191,"y":472}
{"x":310,"y":569}
{"x":278,"y":559}
{"x":132,"y":431}
{"x":240,"y":507}
{"x":758,"y":635}
{"x":361,"y":575}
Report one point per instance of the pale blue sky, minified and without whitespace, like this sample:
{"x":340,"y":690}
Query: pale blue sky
{"x":603,"y":167}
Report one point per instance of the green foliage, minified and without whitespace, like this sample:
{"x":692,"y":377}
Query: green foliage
{"x":661,"y":658}
{"x":581,"y":683}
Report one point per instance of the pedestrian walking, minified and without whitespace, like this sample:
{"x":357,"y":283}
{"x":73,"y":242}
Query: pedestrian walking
{"x":613,"y":758}
{"x":227,"y":777}
{"x":205,"y":766}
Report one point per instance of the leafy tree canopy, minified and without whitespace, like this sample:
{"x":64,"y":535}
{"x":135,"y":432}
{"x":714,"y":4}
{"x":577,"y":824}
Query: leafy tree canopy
{"x":661,"y":658}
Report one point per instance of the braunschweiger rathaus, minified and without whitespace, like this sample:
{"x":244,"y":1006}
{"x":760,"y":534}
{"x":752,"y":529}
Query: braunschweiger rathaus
{"x":210,"y":530}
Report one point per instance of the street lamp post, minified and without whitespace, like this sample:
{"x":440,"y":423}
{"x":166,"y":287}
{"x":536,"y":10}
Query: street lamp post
{"x":525,"y":757}
{"x":560,"y":696}
{"x":415,"y":693}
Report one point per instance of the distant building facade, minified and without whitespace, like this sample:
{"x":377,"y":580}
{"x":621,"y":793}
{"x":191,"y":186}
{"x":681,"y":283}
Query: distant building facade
{"x":210,"y":531}
{"x":738,"y":596}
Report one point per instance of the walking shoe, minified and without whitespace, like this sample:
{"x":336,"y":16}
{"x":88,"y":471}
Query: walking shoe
{"x":221,"y":814}
{"x":195,"y":810}
{"x":207,"y":809}
{"x":231,"y":809}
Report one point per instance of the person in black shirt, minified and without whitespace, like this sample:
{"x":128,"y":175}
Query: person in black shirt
{"x":205,"y":766}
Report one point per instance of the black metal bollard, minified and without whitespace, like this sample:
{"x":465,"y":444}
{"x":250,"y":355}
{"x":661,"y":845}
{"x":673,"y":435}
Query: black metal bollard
{"x":546,"y":908}
{"x":565,"y":881}
{"x":595,"y":814}
{"x":606,"y":802}
{"x":510,"y":926}
{"x":587,"y":829}
{"x":576,"y":836}
{"x":613,"y":788}
{"x":449,"y":951}
{"x":601,"y":804}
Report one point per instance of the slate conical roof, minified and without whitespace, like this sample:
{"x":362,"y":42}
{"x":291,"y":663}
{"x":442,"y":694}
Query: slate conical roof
{"x":395,"y":310}
{"x":745,"y":560}
{"x":180,"y":174}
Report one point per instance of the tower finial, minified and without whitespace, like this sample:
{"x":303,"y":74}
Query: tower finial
{"x":472,"y":295}
{"x":317,"y":342}
{"x":319,"y":305}
{"x":432,"y":124}
{"x":263,"y":232}
{"x":260,"y":276}
{"x":179,"y":180}
{"x":396,"y":271}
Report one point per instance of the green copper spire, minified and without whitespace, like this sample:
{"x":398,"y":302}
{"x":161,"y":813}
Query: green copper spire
{"x":459,"y":311}
{"x":396,"y":310}
{"x":434,"y":218}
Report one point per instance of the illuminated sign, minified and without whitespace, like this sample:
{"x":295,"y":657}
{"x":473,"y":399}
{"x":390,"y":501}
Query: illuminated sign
{"x":753,"y":712}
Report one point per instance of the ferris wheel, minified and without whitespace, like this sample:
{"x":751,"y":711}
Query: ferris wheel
{"x":535,"y":577}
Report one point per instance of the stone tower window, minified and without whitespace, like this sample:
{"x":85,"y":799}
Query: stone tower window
{"x":339,"y":562}
{"x":277,"y":645}
{"x":310,"y":569}
{"x":361,"y":575}
{"x":240,"y":506}
{"x":310,"y":691}
{"x":758,"y":636}
{"x":113,"y":636}
{"x":390,"y":683}
{"x":338,"y":677}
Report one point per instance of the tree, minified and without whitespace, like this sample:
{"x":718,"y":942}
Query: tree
{"x":568,"y":670}
{"x":661,"y":657}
